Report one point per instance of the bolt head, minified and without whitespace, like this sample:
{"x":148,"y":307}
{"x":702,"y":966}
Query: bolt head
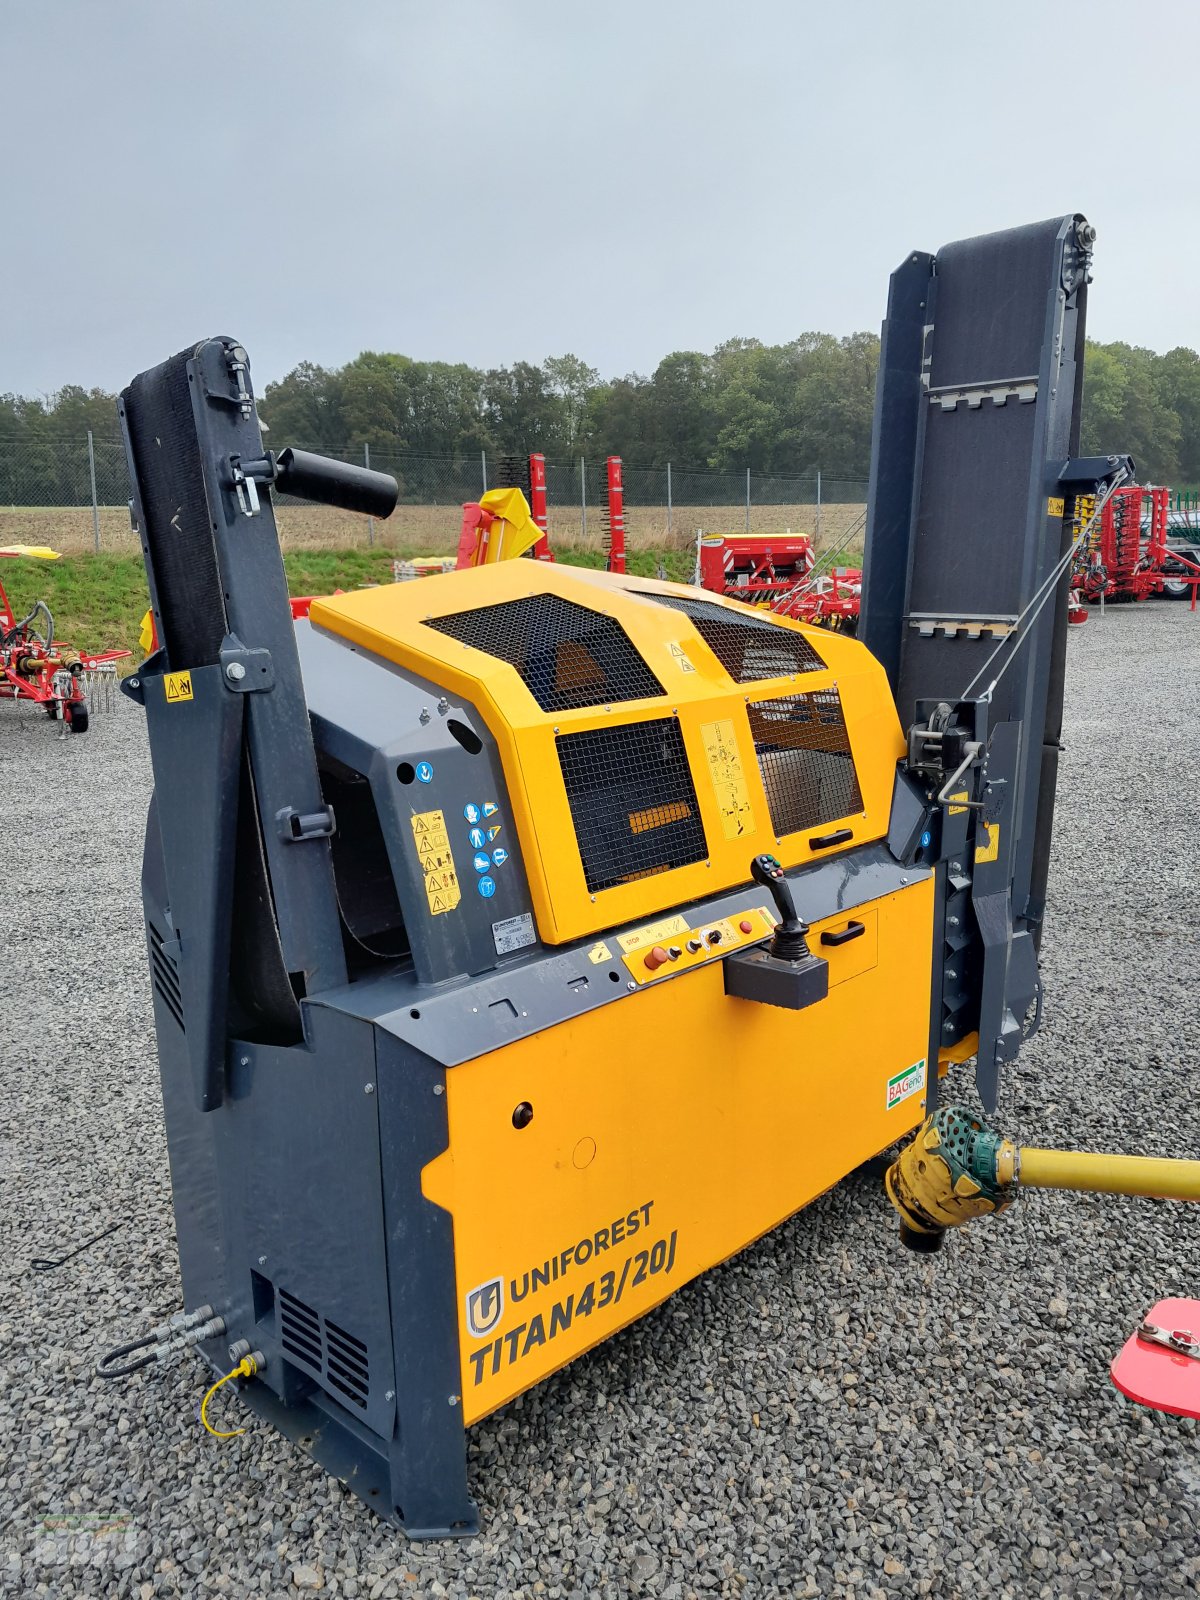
{"x":368,"y":1088}
{"x":235,"y":671}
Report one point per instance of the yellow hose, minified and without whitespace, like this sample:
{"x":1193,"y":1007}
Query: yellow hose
{"x":1108,"y":1174}
{"x":245,"y":1368}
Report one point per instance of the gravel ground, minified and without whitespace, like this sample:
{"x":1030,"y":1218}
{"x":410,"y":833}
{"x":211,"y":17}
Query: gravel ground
{"x":823,"y":1416}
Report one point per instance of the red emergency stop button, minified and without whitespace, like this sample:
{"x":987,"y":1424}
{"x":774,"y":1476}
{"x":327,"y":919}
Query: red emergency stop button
{"x":655,"y":958}
{"x":746,"y":925}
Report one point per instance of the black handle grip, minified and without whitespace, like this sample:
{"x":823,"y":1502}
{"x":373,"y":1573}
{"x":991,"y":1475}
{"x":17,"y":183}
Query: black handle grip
{"x":335,"y":483}
{"x":824,"y":840}
{"x":852,"y":930}
{"x":787,"y":942}
{"x":765,"y":869}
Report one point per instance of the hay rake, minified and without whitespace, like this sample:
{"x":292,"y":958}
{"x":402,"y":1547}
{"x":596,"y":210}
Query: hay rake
{"x":42,"y":670}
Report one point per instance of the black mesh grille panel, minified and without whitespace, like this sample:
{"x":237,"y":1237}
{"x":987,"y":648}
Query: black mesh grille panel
{"x":567,"y":655}
{"x":632,"y":801}
{"x":747,"y":647}
{"x":805,"y":760}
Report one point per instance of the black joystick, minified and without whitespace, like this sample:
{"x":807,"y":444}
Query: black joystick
{"x":786,"y":974}
{"x":788,"y":943}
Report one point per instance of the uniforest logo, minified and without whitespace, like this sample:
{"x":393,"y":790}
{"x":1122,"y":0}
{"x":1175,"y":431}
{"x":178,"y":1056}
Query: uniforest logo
{"x":485,"y":1307}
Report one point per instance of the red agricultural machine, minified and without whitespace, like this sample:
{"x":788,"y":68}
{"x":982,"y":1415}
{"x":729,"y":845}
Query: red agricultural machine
{"x":36,"y":666}
{"x":759,"y":568}
{"x":784,"y":573}
{"x":1124,"y":556}
{"x":1121,"y":556}
{"x":512,"y":520}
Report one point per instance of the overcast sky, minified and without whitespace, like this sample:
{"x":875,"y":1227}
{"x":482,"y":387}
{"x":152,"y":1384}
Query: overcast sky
{"x":493,"y":180}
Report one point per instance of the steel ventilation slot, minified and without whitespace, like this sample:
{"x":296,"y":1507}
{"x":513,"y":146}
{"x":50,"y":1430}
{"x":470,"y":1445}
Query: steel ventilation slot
{"x":346,"y":1363}
{"x":748,"y":647}
{"x":805,"y":760}
{"x":337,"y":1358}
{"x":567,"y":655}
{"x":632,"y":801}
{"x":165,"y":976}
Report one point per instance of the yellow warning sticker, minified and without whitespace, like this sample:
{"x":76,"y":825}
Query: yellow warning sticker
{"x":598,"y":953}
{"x":178,"y":687}
{"x":991,"y":850}
{"x":1055,"y":507}
{"x":728,"y":778}
{"x":437,"y":860}
{"x":957,"y":810}
{"x":652,"y":933}
{"x":680,"y":656}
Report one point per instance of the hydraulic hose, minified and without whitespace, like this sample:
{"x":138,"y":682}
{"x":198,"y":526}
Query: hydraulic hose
{"x":105,"y":1369}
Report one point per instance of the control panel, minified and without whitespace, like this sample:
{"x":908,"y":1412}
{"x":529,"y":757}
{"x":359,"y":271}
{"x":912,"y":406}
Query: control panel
{"x":663,"y":948}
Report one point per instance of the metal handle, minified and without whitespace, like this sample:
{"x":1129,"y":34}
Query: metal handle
{"x":824,"y":840}
{"x":335,"y":483}
{"x":852,"y":930}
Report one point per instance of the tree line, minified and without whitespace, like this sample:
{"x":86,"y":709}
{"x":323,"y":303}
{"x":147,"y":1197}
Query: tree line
{"x":789,"y":408}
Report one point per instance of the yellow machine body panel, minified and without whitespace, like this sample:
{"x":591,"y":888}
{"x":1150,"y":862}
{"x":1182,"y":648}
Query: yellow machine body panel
{"x":669,"y":1129}
{"x":652,"y":685}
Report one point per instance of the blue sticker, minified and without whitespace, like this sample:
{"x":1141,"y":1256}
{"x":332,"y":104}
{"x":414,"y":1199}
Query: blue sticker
{"x":492,"y":832}
{"x":499,"y":857}
{"x":490,"y":808}
{"x":926,"y":839}
{"x":476,"y":838}
{"x":424,"y":772}
{"x":487,"y":887}
{"x":482,"y":862}
{"x":471,"y":813}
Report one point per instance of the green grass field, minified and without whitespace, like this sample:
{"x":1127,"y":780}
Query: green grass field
{"x":98,"y":600}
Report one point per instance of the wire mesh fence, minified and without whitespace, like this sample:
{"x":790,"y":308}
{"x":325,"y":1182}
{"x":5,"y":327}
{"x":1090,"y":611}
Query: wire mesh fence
{"x":73,"y":493}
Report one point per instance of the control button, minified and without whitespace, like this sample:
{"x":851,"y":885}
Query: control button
{"x":694,"y":945}
{"x":713,"y":936}
{"x":655,"y":958}
{"x":674,"y":952}
{"x":746,"y":925}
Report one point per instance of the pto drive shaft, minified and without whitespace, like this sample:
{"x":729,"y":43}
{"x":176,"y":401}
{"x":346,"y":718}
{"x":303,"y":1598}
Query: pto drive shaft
{"x":957,"y":1168}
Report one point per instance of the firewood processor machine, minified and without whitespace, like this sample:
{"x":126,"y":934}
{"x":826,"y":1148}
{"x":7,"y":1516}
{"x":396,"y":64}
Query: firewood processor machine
{"x":526,"y":940}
